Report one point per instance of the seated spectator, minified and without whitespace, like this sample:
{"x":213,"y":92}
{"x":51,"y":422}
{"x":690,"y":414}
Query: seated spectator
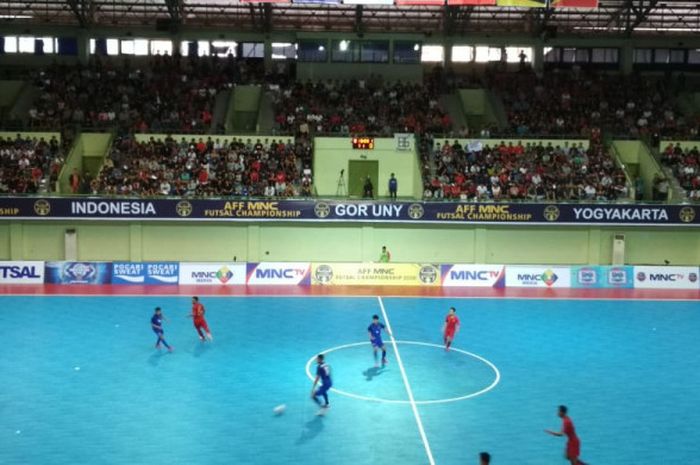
{"x":29,"y":166}
{"x":204,"y":167}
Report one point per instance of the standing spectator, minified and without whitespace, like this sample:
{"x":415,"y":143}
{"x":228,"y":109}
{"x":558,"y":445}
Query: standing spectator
{"x":393,"y":187}
{"x":74,"y":180}
{"x":368,"y":189}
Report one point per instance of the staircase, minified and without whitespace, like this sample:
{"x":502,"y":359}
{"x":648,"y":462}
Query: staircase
{"x":453,"y":106}
{"x":218,"y":121}
{"x":266,"y":114}
{"x":25,"y":100}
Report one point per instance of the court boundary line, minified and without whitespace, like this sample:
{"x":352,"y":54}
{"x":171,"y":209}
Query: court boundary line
{"x":348,"y":296}
{"x":351,"y":395}
{"x":409,"y":391}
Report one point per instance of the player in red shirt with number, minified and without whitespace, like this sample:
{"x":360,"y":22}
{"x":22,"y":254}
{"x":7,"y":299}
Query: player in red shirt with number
{"x":573,"y":445}
{"x":450,"y":328}
{"x":199,"y":322}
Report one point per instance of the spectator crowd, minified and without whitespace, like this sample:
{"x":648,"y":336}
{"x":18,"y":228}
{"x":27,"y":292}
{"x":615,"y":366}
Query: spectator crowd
{"x":206,"y":167}
{"x":27,"y":164}
{"x":162,"y":94}
{"x":582,"y":104}
{"x":685,"y":164}
{"x":522,"y":172}
{"x":352,"y":107}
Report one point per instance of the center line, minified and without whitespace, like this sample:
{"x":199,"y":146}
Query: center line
{"x":409,"y":391}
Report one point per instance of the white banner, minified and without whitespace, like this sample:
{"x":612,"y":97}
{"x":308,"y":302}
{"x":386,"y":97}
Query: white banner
{"x":538,"y":276}
{"x":666,"y":277}
{"x":291,"y":274}
{"x":214,"y":274}
{"x":21,"y":272}
{"x":473,"y":275}
{"x":404,"y":141}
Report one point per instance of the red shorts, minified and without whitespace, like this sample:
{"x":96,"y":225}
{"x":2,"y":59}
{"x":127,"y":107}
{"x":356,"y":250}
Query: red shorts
{"x":449,"y":334}
{"x":201,"y":323}
{"x":573,"y":448}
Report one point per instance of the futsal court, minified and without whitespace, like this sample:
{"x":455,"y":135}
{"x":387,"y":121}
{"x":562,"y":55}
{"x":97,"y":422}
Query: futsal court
{"x":83,"y":383}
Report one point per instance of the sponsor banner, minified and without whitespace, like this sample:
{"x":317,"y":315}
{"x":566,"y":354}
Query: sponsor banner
{"x":471,"y":2}
{"x":310,"y":210}
{"x":375,"y":274}
{"x":21,"y":272}
{"x":602,"y":277}
{"x":522,"y":3}
{"x":666,"y":277}
{"x":473,"y":275}
{"x":575,"y":3}
{"x":292,"y":274}
{"x":78,"y":273}
{"x":145,"y":272}
{"x":213,"y":274}
{"x":538,"y":276}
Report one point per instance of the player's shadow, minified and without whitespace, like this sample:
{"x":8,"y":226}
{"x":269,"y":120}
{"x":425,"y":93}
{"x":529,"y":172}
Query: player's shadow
{"x":311,"y":429}
{"x":200,"y":349}
{"x":370,"y":373}
{"x":154,"y":358}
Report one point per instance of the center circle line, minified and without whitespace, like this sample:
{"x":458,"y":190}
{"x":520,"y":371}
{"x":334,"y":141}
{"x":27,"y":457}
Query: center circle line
{"x":493,"y":367}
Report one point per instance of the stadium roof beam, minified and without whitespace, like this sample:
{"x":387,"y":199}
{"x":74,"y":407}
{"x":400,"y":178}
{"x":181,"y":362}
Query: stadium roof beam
{"x":176,"y":10}
{"x":83,"y":11}
{"x":359,"y":25}
{"x":641,"y":13}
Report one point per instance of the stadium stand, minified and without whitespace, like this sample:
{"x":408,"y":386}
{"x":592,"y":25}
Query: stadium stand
{"x":685,"y":165}
{"x":29,"y":166}
{"x":205,"y":167}
{"x":369,"y":107}
{"x":532,"y":172}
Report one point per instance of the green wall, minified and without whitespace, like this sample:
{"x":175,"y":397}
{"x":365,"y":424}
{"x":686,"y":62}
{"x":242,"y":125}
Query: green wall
{"x":44,"y":240}
{"x":634,"y":152}
{"x":495,"y":142}
{"x":30,"y":135}
{"x":223,"y":138}
{"x":86,"y":155}
{"x":685,"y":144}
{"x":242,"y":113}
{"x":9,"y":91}
{"x":332,"y":154}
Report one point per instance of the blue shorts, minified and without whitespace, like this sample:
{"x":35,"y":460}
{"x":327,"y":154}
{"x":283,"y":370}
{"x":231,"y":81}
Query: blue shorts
{"x":377,"y":342}
{"x":159,"y":332}
{"x":323,"y":389}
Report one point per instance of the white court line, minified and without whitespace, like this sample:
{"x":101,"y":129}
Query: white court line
{"x":409,"y":391}
{"x":350,"y":296}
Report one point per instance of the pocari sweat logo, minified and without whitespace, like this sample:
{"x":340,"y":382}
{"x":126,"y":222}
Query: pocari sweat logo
{"x":128,"y":273}
{"x":162,"y":273}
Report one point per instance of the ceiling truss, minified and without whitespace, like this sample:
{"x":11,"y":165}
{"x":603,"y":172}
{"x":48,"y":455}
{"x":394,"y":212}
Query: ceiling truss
{"x":623,"y":17}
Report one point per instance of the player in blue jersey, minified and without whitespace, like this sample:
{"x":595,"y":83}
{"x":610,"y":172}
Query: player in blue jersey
{"x":323,"y":374}
{"x":375,"y":337}
{"x":157,"y":327}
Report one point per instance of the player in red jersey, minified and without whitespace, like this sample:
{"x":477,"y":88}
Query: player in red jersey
{"x":573,"y":445}
{"x":450,"y":328}
{"x":199,"y":322}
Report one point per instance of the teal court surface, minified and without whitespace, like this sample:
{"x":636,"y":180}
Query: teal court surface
{"x":83,"y":384}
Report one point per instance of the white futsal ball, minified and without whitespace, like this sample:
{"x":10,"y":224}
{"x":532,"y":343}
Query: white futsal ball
{"x":279,"y":410}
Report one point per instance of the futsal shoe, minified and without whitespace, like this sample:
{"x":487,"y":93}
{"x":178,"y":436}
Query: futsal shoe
{"x":385,"y":362}
{"x":323,"y":410}
{"x":210,"y":337}
{"x":171,"y":348}
{"x":201,"y":338}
